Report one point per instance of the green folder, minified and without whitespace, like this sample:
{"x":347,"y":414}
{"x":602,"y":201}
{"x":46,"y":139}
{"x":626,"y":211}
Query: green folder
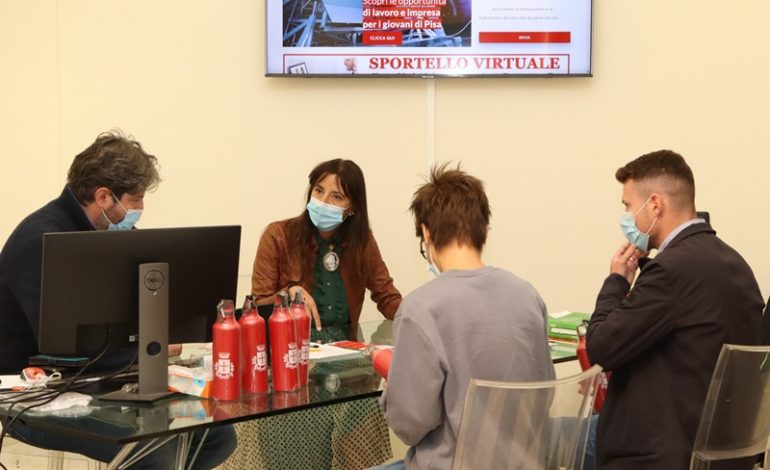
{"x":562,"y":325}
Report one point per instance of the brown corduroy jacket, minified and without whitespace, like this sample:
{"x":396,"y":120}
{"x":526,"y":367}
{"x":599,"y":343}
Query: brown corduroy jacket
{"x":278,"y":266}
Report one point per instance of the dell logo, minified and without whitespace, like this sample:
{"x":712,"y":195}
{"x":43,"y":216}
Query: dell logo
{"x":154,"y":280}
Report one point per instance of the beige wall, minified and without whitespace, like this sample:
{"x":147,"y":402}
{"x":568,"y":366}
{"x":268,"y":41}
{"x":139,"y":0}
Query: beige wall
{"x":186,"y":78}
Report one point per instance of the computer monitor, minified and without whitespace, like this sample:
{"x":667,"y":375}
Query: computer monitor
{"x":137,"y":287}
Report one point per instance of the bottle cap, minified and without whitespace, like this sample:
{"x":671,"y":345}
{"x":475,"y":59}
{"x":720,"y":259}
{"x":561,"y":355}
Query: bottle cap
{"x":248,"y":304}
{"x":225,"y":308}
{"x":283,"y":297}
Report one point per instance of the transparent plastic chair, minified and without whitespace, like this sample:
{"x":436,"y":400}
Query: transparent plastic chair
{"x":735,"y":422}
{"x":526,"y":425}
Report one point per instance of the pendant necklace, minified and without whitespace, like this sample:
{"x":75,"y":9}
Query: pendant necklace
{"x":331,"y":260}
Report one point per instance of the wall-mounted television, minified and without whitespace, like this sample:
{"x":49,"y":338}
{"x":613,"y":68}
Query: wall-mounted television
{"x":428,"y":38}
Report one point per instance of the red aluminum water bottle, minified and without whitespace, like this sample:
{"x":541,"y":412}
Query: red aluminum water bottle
{"x":302,"y":325}
{"x":226,"y":334}
{"x":254,"y":370}
{"x":284,"y":354}
{"x":381,"y":358}
{"x":585,"y":364}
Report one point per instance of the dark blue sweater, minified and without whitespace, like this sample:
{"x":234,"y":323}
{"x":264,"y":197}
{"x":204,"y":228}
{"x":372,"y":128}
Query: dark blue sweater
{"x":20,"y":266}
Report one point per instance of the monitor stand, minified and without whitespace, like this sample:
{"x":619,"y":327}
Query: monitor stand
{"x":153,"y":336}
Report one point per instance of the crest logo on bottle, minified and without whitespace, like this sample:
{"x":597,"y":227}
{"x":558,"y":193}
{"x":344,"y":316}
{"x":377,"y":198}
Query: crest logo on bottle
{"x":259,"y":361}
{"x":291,"y":359}
{"x":225,"y":369}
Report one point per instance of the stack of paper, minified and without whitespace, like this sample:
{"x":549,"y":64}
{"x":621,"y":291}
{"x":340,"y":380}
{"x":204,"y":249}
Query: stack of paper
{"x":322,"y":352}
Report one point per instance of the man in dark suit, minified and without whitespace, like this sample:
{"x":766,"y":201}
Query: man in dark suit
{"x":661,"y":337}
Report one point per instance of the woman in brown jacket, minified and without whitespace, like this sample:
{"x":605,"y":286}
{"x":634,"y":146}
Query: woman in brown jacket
{"x":327,"y":253}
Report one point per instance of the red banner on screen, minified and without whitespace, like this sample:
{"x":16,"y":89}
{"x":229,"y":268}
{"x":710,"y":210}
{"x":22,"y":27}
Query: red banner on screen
{"x":507,"y":37}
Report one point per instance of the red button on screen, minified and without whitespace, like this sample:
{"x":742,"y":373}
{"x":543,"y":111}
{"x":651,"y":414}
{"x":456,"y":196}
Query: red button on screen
{"x":384,"y":38}
{"x":524,"y":37}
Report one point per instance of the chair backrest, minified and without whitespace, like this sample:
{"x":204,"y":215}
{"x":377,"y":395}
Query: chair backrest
{"x":526,"y":425}
{"x":735,"y":421}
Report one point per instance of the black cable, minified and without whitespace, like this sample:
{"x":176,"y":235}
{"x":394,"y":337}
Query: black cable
{"x":40,"y":393}
{"x":112,"y":375}
{"x":53,"y":395}
{"x":37,"y":394}
{"x":25,"y":395}
{"x":56,"y":392}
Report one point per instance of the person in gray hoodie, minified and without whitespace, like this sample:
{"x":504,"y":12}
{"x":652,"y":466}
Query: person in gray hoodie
{"x":471,"y":321}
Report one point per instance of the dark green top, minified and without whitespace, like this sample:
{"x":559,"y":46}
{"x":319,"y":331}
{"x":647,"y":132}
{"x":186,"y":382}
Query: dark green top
{"x":329,"y":292}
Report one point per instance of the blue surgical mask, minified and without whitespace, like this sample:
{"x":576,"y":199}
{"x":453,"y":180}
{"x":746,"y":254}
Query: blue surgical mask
{"x":129,"y":220}
{"x":326,"y":217}
{"x":632,"y":232}
{"x":431,"y":267}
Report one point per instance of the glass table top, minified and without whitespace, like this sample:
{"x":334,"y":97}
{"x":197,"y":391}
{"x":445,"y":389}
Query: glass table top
{"x":331,"y":380}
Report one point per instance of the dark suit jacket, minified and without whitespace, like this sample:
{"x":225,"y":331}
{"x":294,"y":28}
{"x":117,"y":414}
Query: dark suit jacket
{"x":20,"y":265}
{"x":661,"y":341}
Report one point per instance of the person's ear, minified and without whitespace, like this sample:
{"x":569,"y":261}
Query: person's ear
{"x":425,"y":233}
{"x":657,"y":204}
{"x":103,"y":196}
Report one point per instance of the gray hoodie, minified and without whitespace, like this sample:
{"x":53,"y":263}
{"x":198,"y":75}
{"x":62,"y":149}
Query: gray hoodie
{"x":486,"y":324}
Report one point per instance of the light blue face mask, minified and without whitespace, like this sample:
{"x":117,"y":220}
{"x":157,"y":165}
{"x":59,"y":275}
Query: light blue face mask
{"x":632,"y":232}
{"x":431,"y":267}
{"x":326,"y":217}
{"x":129,"y":220}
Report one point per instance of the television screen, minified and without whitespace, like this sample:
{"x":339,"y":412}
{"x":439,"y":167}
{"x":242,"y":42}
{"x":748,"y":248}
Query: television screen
{"x":428,"y":37}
